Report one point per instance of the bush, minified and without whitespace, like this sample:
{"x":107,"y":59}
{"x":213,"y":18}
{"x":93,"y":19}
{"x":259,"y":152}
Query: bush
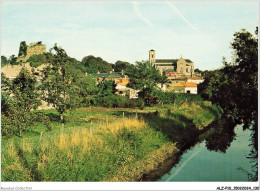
{"x":164,"y":97}
{"x":32,"y":58}
{"x":140,"y":103}
{"x":37,"y":60}
{"x":35,"y":64}
{"x":113,"y":101}
{"x":181,"y":97}
{"x":7,"y":127}
{"x":4,"y":102}
{"x":42,"y":118}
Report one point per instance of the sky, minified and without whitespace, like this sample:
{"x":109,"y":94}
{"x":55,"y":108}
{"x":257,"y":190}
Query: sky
{"x":126,"y":30}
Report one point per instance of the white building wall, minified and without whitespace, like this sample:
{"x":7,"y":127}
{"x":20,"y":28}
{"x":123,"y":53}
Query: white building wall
{"x":192,"y":90}
{"x":195,"y":81}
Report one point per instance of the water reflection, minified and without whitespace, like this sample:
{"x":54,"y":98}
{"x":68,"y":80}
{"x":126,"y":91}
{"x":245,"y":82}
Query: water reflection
{"x":219,"y":155}
{"x":216,"y":153}
{"x":222,"y":138}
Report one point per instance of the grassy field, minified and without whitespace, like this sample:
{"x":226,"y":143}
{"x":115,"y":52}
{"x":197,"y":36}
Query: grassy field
{"x":102,"y":144}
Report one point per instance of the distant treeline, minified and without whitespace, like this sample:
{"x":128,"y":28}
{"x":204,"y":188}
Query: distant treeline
{"x":89,"y":64}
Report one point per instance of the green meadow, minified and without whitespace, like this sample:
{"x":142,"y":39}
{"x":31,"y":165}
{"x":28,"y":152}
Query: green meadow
{"x":103,"y":144}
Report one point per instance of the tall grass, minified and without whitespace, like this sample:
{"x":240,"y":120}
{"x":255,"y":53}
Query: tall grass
{"x":86,"y":154}
{"x":201,"y":113}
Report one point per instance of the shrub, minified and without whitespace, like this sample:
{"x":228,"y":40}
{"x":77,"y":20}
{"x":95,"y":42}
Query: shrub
{"x":35,"y":64}
{"x":7,"y":127}
{"x":181,"y":97}
{"x":164,"y":97}
{"x":32,"y":58}
{"x":113,"y":101}
{"x":4,"y":102}
{"x":37,"y":60}
{"x":140,"y":103}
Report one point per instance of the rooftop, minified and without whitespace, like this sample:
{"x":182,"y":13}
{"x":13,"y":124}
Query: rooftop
{"x":182,"y":84}
{"x":174,"y":61}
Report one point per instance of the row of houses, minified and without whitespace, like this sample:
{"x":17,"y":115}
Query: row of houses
{"x":182,"y":84}
{"x":176,"y":82}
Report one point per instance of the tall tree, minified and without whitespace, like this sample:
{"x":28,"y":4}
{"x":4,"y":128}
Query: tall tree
{"x":23,"y":49}
{"x":145,"y":78}
{"x":62,"y":84}
{"x":235,"y":86}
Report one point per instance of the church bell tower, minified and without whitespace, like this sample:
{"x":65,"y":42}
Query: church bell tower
{"x":152,"y":57}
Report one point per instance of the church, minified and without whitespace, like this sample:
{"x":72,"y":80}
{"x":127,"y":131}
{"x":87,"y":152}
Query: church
{"x":180,"y":66}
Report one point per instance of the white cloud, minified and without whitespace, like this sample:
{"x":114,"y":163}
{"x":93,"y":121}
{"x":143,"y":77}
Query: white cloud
{"x":182,"y":16}
{"x":139,"y":14}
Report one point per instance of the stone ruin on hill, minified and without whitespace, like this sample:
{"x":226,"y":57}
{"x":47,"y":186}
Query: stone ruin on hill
{"x":26,"y":52}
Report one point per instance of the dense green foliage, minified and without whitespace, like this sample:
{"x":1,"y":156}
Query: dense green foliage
{"x":198,"y":71}
{"x":235,"y":86}
{"x":4,"y":61}
{"x":121,"y":65}
{"x":62,"y":85}
{"x":106,"y":88}
{"x":37,"y":60}
{"x":181,"y":97}
{"x":23,"y":49}
{"x":146,"y":79}
{"x":4,"y":102}
{"x":16,"y":111}
{"x":96,"y":64}
{"x":13,"y":60}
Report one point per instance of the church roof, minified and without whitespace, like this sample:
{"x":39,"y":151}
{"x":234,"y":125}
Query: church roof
{"x":174,"y":61}
{"x":188,"y":60}
{"x":166,"y":61}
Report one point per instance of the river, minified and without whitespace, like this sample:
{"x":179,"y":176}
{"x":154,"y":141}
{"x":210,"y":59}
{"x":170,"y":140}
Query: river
{"x":219,"y":157}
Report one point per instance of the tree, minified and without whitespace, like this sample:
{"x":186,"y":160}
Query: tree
{"x":13,"y":60}
{"x":94,"y":64}
{"x":4,"y":61}
{"x":61,"y":83}
{"x":145,"y":78}
{"x":106,"y":88}
{"x":198,"y":71}
{"x":245,"y":74}
{"x":235,"y":86}
{"x":121,"y":65}
{"x":23,"y":49}
{"x":23,"y":98}
{"x":88,"y":92}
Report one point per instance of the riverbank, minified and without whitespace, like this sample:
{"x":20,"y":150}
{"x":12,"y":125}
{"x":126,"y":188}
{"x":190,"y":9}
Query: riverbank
{"x":100,"y":144}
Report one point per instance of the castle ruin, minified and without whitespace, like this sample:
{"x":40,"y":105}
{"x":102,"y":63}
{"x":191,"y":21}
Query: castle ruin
{"x":25,"y":52}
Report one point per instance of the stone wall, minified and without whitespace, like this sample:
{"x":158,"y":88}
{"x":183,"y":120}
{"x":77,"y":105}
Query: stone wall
{"x":11,"y":71}
{"x":33,"y":49}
